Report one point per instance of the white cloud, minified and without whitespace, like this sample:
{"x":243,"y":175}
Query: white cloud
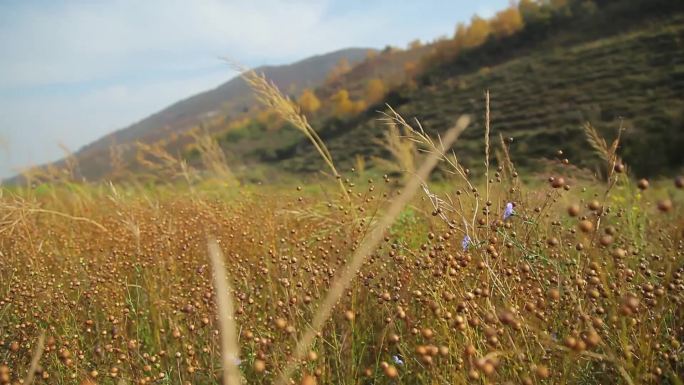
{"x":90,"y":41}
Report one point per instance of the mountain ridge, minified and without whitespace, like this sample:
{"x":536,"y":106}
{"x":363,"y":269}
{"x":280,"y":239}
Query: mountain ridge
{"x":232,"y":97}
{"x":235,"y":87}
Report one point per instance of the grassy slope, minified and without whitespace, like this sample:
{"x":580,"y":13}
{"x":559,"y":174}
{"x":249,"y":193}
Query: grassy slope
{"x":543,"y":97}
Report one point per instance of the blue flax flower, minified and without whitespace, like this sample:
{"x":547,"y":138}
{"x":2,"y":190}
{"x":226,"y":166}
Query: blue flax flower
{"x":397,"y":360}
{"x":465,"y":243}
{"x":508,"y":211}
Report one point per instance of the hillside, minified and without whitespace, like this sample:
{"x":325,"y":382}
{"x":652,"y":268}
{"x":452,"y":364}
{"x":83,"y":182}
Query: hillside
{"x":257,"y":141}
{"x":228,"y":101}
{"x":219,"y":111}
{"x":609,"y":63}
{"x":543,"y":89}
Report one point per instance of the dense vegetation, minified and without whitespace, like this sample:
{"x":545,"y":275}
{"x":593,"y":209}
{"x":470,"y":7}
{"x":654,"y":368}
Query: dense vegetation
{"x":574,"y":281}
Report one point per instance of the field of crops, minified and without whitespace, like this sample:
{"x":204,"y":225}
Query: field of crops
{"x":360,"y":279}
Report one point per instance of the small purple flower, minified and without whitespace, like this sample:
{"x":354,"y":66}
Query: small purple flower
{"x":397,"y":360}
{"x":508,"y":211}
{"x":465,"y":243}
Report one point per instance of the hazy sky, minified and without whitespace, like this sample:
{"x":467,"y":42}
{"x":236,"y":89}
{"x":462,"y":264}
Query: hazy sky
{"x":71,"y":72}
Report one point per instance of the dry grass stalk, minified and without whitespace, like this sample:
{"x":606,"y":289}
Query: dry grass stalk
{"x":597,"y":142}
{"x":367,"y":246}
{"x":487,"y":127}
{"x":70,"y":161}
{"x":154,"y":157}
{"x":37,"y":353}
{"x":419,"y":136}
{"x":17,"y":210}
{"x":600,"y":146}
{"x":33,"y":175}
{"x":609,"y":154}
{"x":230,"y":351}
{"x":438,"y":204}
{"x":508,"y":163}
{"x":401,"y":148}
{"x":269,"y":94}
{"x":213,"y":157}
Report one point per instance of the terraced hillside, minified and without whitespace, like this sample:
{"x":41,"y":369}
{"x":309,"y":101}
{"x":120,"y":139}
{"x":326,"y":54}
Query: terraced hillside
{"x":542,"y":99}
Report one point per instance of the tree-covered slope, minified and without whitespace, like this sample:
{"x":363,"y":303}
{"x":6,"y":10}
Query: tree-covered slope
{"x":543,"y":90}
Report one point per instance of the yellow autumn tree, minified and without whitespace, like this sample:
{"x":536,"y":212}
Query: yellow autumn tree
{"x":410,"y":69}
{"x":343,"y":66}
{"x":476,"y":33}
{"x":415,"y":44}
{"x":309,"y":102}
{"x":359,"y":106}
{"x":265,"y":117}
{"x":460,"y":36}
{"x":340,"y":69}
{"x":506,"y":22}
{"x":342,"y":104}
{"x":375,"y":90}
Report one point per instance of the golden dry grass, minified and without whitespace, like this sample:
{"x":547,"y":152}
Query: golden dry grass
{"x":355,"y":281}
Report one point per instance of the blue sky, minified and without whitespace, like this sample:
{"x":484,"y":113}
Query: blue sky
{"x":71,"y":72}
